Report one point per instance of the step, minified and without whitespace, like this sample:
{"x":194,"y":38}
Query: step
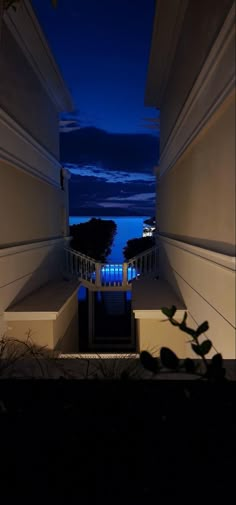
{"x":115,"y":303}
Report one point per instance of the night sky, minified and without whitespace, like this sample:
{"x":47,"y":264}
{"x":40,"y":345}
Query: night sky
{"x":102,"y":49}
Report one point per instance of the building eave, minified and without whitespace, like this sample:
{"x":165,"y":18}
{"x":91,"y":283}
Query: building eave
{"x":168,"y":20}
{"x":26,"y":30}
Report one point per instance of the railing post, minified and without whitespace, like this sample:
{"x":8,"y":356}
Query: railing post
{"x":97,"y":274}
{"x":125,"y":274}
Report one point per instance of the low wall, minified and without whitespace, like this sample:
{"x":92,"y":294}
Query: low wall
{"x":52,"y":325}
{"x":152,"y":334}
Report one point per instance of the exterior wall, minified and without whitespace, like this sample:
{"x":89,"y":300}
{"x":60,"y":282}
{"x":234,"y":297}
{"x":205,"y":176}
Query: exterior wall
{"x":18,"y":148}
{"x":23,"y":97}
{"x":200,"y":28}
{"x":27,"y":267}
{"x":197,"y":177}
{"x":205,"y":281}
{"x":197,"y":196}
{"x":65,"y":328}
{"x":31,"y":233}
{"x":33,"y":209}
{"x":60,"y":333}
{"x":152,"y":334}
{"x":41,"y":332}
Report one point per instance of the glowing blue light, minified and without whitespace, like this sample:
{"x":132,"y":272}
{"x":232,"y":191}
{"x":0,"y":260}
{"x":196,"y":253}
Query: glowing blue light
{"x":114,"y":273}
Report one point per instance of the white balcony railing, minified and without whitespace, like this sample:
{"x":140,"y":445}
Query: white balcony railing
{"x":110,"y":275}
{"x":143,"y":264}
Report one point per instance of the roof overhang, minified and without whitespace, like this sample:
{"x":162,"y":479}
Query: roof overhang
{"x":168,"y":20}
{"x":26,"y":30}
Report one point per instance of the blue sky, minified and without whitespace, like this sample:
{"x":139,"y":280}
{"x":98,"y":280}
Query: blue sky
{"x":102,"y":48}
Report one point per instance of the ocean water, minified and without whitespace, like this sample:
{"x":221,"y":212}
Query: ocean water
{"x":127,"y":228}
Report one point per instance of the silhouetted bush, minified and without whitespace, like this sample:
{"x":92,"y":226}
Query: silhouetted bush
{"x":94,"y":238}
{"x":213,"y":369}
{"x":137,"y":246}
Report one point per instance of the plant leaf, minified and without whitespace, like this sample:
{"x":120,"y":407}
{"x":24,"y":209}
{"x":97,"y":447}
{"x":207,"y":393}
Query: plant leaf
{"x":169,"y":358}
{"x":217,"y":361}
{"x":216,"y":371}
{"x":189,"y":365}
{"x":206,"y":346}
{"x":172,"y":321}
{"x":187,"y":330}
{"x":169,"y":312}
{"x":202,"y":328}
{"x":197,"y":349}
{"x":203,"y":348}
{"x":184,"y":319}
{"x":149,"y":362}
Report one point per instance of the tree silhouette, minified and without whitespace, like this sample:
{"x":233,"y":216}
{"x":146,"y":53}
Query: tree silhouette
{"x":137,"y":246}
{"x":94,"y":238}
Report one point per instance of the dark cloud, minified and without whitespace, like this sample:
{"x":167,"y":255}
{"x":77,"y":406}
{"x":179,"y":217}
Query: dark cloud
{"x":110,"y":172}
{"x":109,"y":176}
{"x":110,"y":151}
{"x":93,"y":195}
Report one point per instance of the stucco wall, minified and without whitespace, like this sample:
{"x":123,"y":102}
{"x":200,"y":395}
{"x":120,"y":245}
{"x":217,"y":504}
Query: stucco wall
{"x":23,"y":97}
{"x":41,"y":332}
{"x":205,"y":281}
{"x":25,"y":268}
{"x":60,"y":333}
{"x":152,"y":334}
{"x":65,"y":328}
{"x":30,"y":209}
{"x":200,"y":28}
{"x":197,"y":196}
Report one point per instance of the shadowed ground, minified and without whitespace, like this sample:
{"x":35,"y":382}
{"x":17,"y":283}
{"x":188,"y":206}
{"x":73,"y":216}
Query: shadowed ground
{"x":119,"y":442}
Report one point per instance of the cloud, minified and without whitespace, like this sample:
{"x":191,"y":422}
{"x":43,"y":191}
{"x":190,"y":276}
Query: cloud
{"x":67,"y":126}
{"x":112,"y":177}
{"x":110,"y":171}
{"x":135,"y":198}
{"x":109,"y":151}
{"x":116,"y":205}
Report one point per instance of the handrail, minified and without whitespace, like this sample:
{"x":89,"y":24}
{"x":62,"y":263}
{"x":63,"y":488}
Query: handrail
{"x":144,"y":263}
{"x":143,"y":253}
{"x":110,"y":275}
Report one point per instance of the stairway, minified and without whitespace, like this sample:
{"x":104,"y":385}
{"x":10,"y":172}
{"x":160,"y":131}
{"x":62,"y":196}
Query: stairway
{"x":113,"y":324}
{"x":114,"y":302}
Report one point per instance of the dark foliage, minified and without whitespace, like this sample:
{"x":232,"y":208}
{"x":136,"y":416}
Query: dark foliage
{"x":149,"y":362}
{"x":169,"y":358}
{"x":137,"y":246}
{"x":69,"y":441}
{"x":93,"y":238}
{"x":214,"y":370}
